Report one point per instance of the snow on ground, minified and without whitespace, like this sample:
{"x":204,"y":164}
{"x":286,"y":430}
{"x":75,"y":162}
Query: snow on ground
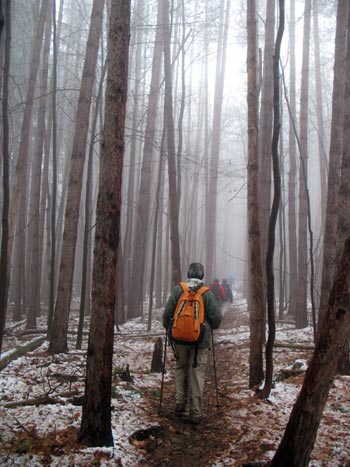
{"x":38,"y":373}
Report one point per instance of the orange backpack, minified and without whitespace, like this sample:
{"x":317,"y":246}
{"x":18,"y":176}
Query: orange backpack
{"x":188,"y":320}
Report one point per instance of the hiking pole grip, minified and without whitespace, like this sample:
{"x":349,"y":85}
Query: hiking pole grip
{"x":214,"y":364}
{"x":163,"y":373}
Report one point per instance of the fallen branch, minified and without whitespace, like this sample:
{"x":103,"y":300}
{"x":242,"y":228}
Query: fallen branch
{"x":13,"y":354}
{"x":287,"y":345}
{"x":41,"y":400}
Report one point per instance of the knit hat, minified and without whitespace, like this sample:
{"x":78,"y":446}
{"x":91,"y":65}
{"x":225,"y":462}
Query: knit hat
{"x":195,"y":271}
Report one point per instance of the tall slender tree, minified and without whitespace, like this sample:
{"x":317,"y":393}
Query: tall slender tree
{"x":170,"y":134}
{"x":301,"y":316}
{"x":292,"y":232}
{"x":144,"y":197}
{"x":275,"y":207}
{"x":35,"y":185}
{"x":335,"y":150}
{"x":5,"y":172}
{"x":18,"y":204}
{"x":96,"y":427}
{"x":265,"y":130}
{"x":58,"y":340}
{"x":257,"y":310}
{"x":211,"y":210}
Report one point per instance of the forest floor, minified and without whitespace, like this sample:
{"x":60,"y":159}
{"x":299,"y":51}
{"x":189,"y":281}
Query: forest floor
{"x":40,"y":412}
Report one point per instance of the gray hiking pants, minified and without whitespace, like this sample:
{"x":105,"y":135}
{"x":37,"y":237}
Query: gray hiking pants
{"x":189,"y":381}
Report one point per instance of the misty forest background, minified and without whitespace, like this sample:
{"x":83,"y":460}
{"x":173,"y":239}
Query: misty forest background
{"x":233,"y":152}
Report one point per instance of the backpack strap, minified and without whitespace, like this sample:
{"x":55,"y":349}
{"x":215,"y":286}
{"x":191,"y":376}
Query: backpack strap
{"x":203,"y":289}
{"x":184,"y":286}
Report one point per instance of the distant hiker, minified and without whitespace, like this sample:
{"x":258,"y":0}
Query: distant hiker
{"x":228,"y":291}
{"x":191,"y":357}
{"x":231,"y":280}
{"x":218,"y":291}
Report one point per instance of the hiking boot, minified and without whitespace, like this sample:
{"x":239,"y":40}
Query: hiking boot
{"x":180,"y":408}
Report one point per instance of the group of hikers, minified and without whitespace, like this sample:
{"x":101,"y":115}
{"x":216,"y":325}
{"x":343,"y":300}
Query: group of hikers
{"x":222,"y":292}
{"x":192,"y":311}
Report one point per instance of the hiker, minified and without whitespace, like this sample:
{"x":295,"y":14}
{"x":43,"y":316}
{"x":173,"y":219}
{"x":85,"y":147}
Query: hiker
{"x":218,"y":291}
{"x":231,"y":280}
{"x":191,"y":359}
{"x":228,"y":291}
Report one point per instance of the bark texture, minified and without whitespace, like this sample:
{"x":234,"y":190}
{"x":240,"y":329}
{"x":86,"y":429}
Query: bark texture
{"x":96,"y":427}
{"x":335,"y":151}
{"x":257,"y":307}
{"x":300,"y":435}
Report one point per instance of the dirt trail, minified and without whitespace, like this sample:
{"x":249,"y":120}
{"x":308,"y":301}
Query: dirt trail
{"x":185,"y":445}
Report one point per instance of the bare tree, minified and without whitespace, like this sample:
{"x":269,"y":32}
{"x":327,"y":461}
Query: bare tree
{"x":301,"y":311}
{"x":54,"y":172}
{"x":96,"y":427}
{"x":265,"y":130}
{"x":18,"y":205}
{"x":257,"y":311}
{"x":265,"y":392}
{"x":335,"y":150}
{"x":58,"y":341}
{"x":34,"y":202}
{"x":169,"y":121}
{"x":6,"y":171}
{"x":292,"y":236}
{"x":88,"y":213}
{"x":307,"y":411}
{"x":320,"y":118}
{"x":144,"y":197}
{"x":211,"y":210}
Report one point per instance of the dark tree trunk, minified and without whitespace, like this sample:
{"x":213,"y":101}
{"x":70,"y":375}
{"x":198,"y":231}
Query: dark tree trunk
{"x":274,"y":211}
{"x":300,"y":435}
{"x":96,"y":427}
{"x":292,"y":246}
{"x":301,"y":320}
{"x":34,"y":204}
{"x":336,"y":141}
{"x":5,"y":173}
{"x":169,"y":122}
{"x":257,"y":310}
{"x":88,"y":214}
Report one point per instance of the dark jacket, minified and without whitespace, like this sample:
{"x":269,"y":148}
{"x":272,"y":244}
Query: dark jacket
{"x":212,"y":311}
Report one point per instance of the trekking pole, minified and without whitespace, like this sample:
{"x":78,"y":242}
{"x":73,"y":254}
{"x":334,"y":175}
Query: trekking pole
{"x":163,"y":373}
{"x":215,"y":377}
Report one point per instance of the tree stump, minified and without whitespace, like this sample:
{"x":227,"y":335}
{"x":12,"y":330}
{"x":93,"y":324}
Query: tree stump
{"x":157,"y":357}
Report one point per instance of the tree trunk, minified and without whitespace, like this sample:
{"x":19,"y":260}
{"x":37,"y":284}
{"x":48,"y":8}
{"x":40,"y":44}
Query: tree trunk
{"x":144,"y":199}
{"x":211,"y":208}
{"x":344,"y":188}
{"x":58,"y":341}
{"x":128,"y":244}
{"x":5,"y":174}
{"x":300,"y":434}
{"x":169,"y":123}
{"x":19,"y":184}
{"x":274,"y":211}
{"x":257,"y":311}
{"x":96,"y":427}
{"x":292,"y":246}
{"x":265,"y":132}
{"x":34,"y":204}
{"x":301,"y":320}
{"x":320,"y":119}
{"x":52,"y":284}
{"x":336,"y":139}
{"x":88,"y":213}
